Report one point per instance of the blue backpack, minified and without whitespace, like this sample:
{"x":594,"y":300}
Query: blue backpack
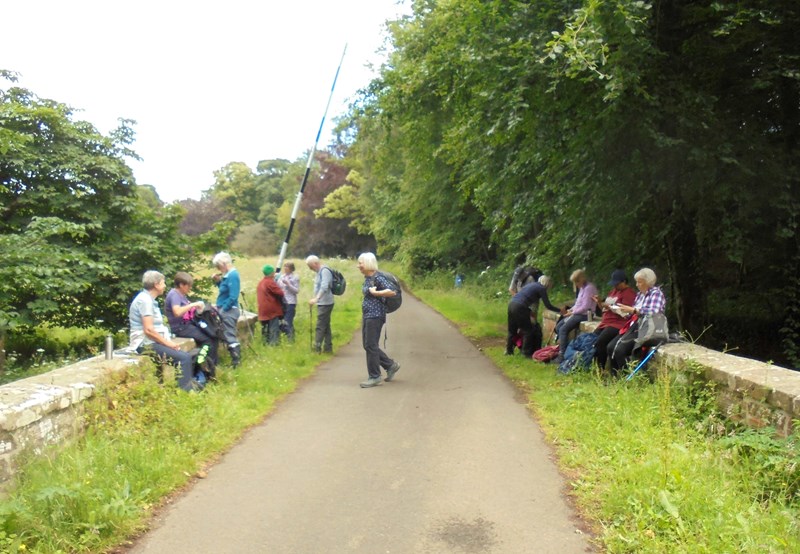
{"x":579,"y":353}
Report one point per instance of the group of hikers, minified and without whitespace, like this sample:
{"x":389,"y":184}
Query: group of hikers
{"x":613,"y":340}
{"x":209,"y":325}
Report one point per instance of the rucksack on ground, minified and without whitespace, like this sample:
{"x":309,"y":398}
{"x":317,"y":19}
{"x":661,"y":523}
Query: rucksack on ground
{"x":338,"y":282}
{"x":392,"y":303}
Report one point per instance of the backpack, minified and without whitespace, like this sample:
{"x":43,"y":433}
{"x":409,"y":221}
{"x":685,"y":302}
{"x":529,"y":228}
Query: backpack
{"x":528,"y":275}
{"x":338,"y":282}
{"x":209,"y":320}
{"x":579,"y":353}
{"x":546,"y":354}
{"x":392,"y":303}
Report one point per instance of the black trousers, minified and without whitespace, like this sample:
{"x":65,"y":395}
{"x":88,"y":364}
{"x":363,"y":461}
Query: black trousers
{"x":519,"y":320}
{"x":604,"y":336}
{"x":201,"y":338}
{"x":371,"y":340}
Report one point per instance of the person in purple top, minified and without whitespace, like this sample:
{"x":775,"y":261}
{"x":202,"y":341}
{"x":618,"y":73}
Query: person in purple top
{"x":290,"y":283}
{"x":649,"y":300}
{"x":178,"y":308}
{"x":584,"y":305}
{"x":522,"y":316}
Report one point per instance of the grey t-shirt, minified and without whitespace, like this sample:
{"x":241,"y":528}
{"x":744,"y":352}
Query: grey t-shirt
{"x":323,"y":282}
{"x":145,"y":305}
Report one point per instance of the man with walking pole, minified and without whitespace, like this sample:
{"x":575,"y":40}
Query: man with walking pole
{"x":323,"y":298}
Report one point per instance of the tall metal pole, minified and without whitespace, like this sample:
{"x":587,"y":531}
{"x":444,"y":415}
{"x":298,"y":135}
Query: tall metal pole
{"x":296,"y":208}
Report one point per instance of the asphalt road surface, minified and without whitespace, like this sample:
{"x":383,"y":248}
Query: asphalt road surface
{"x":445,"y":458}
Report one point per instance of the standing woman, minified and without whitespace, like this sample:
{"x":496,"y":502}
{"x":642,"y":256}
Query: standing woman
{"x":373,"y":311}
{"x":228,"y":303}
{"x":148,"y":331}
{"x":290,"y":283}
{"x":649,"y":300}
{"x":270,"y":309}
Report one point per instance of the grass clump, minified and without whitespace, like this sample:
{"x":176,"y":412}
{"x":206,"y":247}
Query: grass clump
{"x":144,"y":440}
{"x":652,"y":465}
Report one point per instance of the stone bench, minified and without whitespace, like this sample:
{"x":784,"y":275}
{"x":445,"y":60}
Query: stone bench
{"x":755,"y":393}
{"x":45,"y":409}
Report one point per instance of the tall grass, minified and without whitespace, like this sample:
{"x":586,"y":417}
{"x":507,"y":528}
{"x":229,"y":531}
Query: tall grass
{"x":145,"y":440}
{"x":652,"y":466}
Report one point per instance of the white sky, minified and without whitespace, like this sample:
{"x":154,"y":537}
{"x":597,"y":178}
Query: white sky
{"x":207,"y":83}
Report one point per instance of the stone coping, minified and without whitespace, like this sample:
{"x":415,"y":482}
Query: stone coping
{"x":776,"y":386}
{"x":32,"y":409}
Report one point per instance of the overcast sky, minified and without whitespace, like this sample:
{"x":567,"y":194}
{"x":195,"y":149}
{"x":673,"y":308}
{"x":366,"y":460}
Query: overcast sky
{"x":239,"y":81}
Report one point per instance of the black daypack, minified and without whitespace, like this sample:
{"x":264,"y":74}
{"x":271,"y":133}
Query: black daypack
{"x":338,"y":282}
{"x":392,"y":303}
{"x":210,"y":321}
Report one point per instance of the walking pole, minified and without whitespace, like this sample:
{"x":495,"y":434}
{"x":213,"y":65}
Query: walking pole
{"x":644,"y":361}
{"x":310,"y":327}
{"x":296,"y":208}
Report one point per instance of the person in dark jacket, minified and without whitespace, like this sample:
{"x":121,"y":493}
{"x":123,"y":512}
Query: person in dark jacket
{"x":522,"y":316}
{"x":270,"y":308}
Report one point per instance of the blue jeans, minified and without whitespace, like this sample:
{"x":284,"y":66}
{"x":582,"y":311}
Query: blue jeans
{"x":288,"y":321}
{"x":180,"y":359}
{"x":565,"y":327}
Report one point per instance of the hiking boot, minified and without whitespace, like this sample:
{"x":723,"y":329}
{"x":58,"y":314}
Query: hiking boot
{"x":371,"y":382}
{"x":394,"y":368}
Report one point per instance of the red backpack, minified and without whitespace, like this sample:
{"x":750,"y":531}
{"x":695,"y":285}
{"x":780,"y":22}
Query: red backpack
{"x":546,"y":354}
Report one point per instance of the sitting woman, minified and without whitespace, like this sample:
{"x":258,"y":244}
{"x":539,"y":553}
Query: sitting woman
{"x":613,"y":317}
{"x":584,"y":304}
{"x":649,"y":300}
{"x":178,"y":307}
{"x":148,"y":332}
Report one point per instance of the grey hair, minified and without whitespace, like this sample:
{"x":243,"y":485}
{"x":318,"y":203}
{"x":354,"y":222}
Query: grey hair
{"x":647,"y":274}
{"x":369,"y":261}
{"x":545,"y":281}
{"x":222,"y":258}
{"x":312,"y":259}
{"x":151,"y":278}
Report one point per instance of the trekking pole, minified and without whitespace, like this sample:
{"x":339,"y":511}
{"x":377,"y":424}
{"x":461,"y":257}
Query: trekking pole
{"x":310,"y":327}
{"x":285,"y":245}
{"x":643,"y":362}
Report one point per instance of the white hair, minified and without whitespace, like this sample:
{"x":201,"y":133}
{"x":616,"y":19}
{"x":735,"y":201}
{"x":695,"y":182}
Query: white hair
{"x":222,"y":258}
{"x":151,"y":278}
{"x":647,"y":275}
{"x":312,"y":259}
{"x":369,"y":261}
{"x":545,"y":281}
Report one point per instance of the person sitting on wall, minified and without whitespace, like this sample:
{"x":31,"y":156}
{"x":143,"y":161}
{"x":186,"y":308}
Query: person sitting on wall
{"x":649,"y":300}
{"x":178,"y":307}
{"x":613,"y":317}
{"x":148,"y":332}
{"x":584,"y":304}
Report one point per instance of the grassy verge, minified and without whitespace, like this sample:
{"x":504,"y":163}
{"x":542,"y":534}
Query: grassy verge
{"x":652,"y":466}
{"x":146,"y":440}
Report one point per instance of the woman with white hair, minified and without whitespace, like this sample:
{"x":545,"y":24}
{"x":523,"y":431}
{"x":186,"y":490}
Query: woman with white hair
{"x":228,"y":303}
{"x":148,"y":332}
{"x":376,"y":287}
{"x":649,"y":300}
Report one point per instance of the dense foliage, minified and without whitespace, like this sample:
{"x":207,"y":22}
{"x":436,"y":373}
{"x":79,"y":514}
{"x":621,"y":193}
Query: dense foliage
{"x":76,"y":233}
{"x":599,"y":134}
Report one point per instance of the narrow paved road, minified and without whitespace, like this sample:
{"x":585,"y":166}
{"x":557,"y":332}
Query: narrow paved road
{"x":443,"y":459}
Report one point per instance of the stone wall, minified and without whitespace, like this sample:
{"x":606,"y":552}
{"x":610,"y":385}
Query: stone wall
{"x":47,"y":409}
{"x":752,"y":392}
